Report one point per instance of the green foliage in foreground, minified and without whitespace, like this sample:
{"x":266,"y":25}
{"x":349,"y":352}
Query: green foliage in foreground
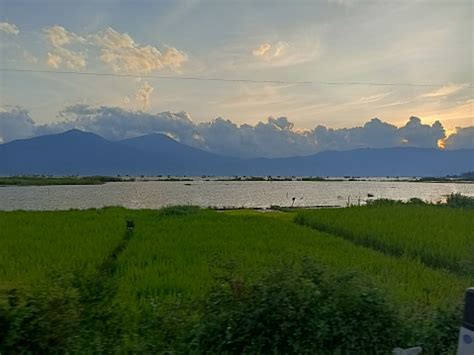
{"x":77,"y":282}
{"x":44,"y":181}
{"x":439,"y":237}
{"x":296,"y":310}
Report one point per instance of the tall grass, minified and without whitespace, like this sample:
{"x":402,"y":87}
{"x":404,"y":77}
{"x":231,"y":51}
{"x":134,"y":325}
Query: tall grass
{"x":35,"y":246}
{"x":439,"y":237}
{"x":176,"y":257}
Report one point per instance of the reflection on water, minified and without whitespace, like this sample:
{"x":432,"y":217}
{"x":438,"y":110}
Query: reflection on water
{"x":155,"y":194}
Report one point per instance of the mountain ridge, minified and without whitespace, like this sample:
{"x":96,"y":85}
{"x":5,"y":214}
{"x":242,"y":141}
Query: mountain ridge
{"x":85,"y":153}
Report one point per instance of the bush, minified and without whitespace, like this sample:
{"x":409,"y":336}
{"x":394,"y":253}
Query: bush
{"x":179,"y":210}
{"x":458,"y":200}
{"x":44,"y":322}
{"x":296,"y":310}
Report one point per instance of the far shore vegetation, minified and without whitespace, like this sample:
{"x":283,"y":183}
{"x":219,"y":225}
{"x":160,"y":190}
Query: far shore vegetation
{"x":45,"y":180}
{"x":39,"y":180}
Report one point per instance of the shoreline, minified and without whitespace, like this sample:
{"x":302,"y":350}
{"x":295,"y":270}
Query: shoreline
{"x":19,"y":181}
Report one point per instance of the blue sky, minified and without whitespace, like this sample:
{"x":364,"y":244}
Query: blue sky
{"x":399,"y":41}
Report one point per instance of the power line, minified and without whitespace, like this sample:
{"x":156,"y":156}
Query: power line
{"x":232,"y":80}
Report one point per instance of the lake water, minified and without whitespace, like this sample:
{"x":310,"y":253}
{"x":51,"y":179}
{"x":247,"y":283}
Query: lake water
{"x":155,"y":194}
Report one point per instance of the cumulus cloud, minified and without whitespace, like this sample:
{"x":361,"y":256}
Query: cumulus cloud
{"x":16,"y":124}
{"x":9,"y":28}
{"x":143,"y":95}
{"x":120,"y":52}
{"x":58,"y":38}
{"x":275,"y":137}
{"x":416,"y":134}
{"x":463,"y":138}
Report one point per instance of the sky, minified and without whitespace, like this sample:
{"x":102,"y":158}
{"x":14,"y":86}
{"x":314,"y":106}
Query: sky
{"x":416,"y":42}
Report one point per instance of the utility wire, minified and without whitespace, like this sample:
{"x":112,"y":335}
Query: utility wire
{"x":232,"y":80}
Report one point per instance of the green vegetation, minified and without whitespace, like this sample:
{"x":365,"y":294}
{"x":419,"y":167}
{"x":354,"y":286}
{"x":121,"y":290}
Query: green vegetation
{"x":192,"y":280}
{"x":439,"y":237}
{"x":464,"y":177}
{"x":261,"y":317}
{"x":35,"y":246}
{"x":460,"y":201}
{"x":48,"y":180}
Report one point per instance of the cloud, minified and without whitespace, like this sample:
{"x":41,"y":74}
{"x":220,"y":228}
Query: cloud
{"x":28,"y":57}
{"x":275,"y":137}
{"x":444,"y":91}
{"x":143,"y":95}
{"x":416,"y":134}
{"x":262,"y":49}
{"x":58,"y":38}
{"x":16,"y":124}
{"x":270,"y":52}
{"x":121,"y":53}
{"x":9,"y":28}
{"x":54,"y":60}
{"x":372,"y":98}
{"x":463,"y":138}
{"x":118,"y":51}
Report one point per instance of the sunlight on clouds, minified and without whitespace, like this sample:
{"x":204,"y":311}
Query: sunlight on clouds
{"x":54,"y":60}
{"x":458,"y":115}
{"x":372,"y":98}
{"x":262,"y":49}
{"x":444,"y":91}
{"x":123,"y":54}
{"x":268,"y":51}
{"x":143,"y":95}
{"x":58,"y":37}
{"x":9,"y":28}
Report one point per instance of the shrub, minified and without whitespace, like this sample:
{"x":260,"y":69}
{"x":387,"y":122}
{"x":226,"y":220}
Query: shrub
{"x":179,"y":210}
{"x":42,"y":322}
{"x":458,"y":200}
{"x":296,"y":310}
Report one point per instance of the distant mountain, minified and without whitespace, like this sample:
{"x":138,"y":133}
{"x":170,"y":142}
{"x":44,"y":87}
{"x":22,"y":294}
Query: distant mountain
{"x":171,"y":157}
{"x":77,"y":152}
{"x":400,"y":161}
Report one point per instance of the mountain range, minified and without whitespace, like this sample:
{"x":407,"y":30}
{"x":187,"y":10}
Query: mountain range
{"x":81,"y":153}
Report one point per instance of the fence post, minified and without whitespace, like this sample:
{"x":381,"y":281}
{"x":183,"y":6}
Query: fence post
{"x":466,"y":333}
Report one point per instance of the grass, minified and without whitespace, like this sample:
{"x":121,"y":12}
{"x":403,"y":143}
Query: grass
{"x":440,"y":237}
{"x":171,"y":257}
{"x":174,"y":255}
{"x":47,"y":181}
{"x":36,"y":245}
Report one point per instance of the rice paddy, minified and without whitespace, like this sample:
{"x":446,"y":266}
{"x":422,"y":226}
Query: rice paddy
{"x":175,"y":254}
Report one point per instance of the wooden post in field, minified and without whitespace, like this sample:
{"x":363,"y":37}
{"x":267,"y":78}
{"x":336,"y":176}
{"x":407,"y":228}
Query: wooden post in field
{"x":466,"y":333}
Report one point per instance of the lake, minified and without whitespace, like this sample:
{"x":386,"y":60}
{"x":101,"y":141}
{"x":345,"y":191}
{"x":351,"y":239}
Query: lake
{"x":261,"y":194}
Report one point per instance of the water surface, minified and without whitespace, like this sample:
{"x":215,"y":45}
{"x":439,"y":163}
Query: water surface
{"x":156,"y":194}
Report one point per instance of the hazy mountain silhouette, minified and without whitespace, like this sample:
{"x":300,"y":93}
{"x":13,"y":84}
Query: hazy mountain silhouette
{"x":77,"y":152}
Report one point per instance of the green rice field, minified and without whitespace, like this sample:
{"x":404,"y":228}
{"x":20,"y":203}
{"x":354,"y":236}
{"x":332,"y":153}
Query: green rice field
{"x":439,"y":237}
{"x":174,"y":255}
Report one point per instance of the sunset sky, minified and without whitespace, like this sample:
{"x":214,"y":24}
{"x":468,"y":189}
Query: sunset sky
{"x":413,"y":42}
